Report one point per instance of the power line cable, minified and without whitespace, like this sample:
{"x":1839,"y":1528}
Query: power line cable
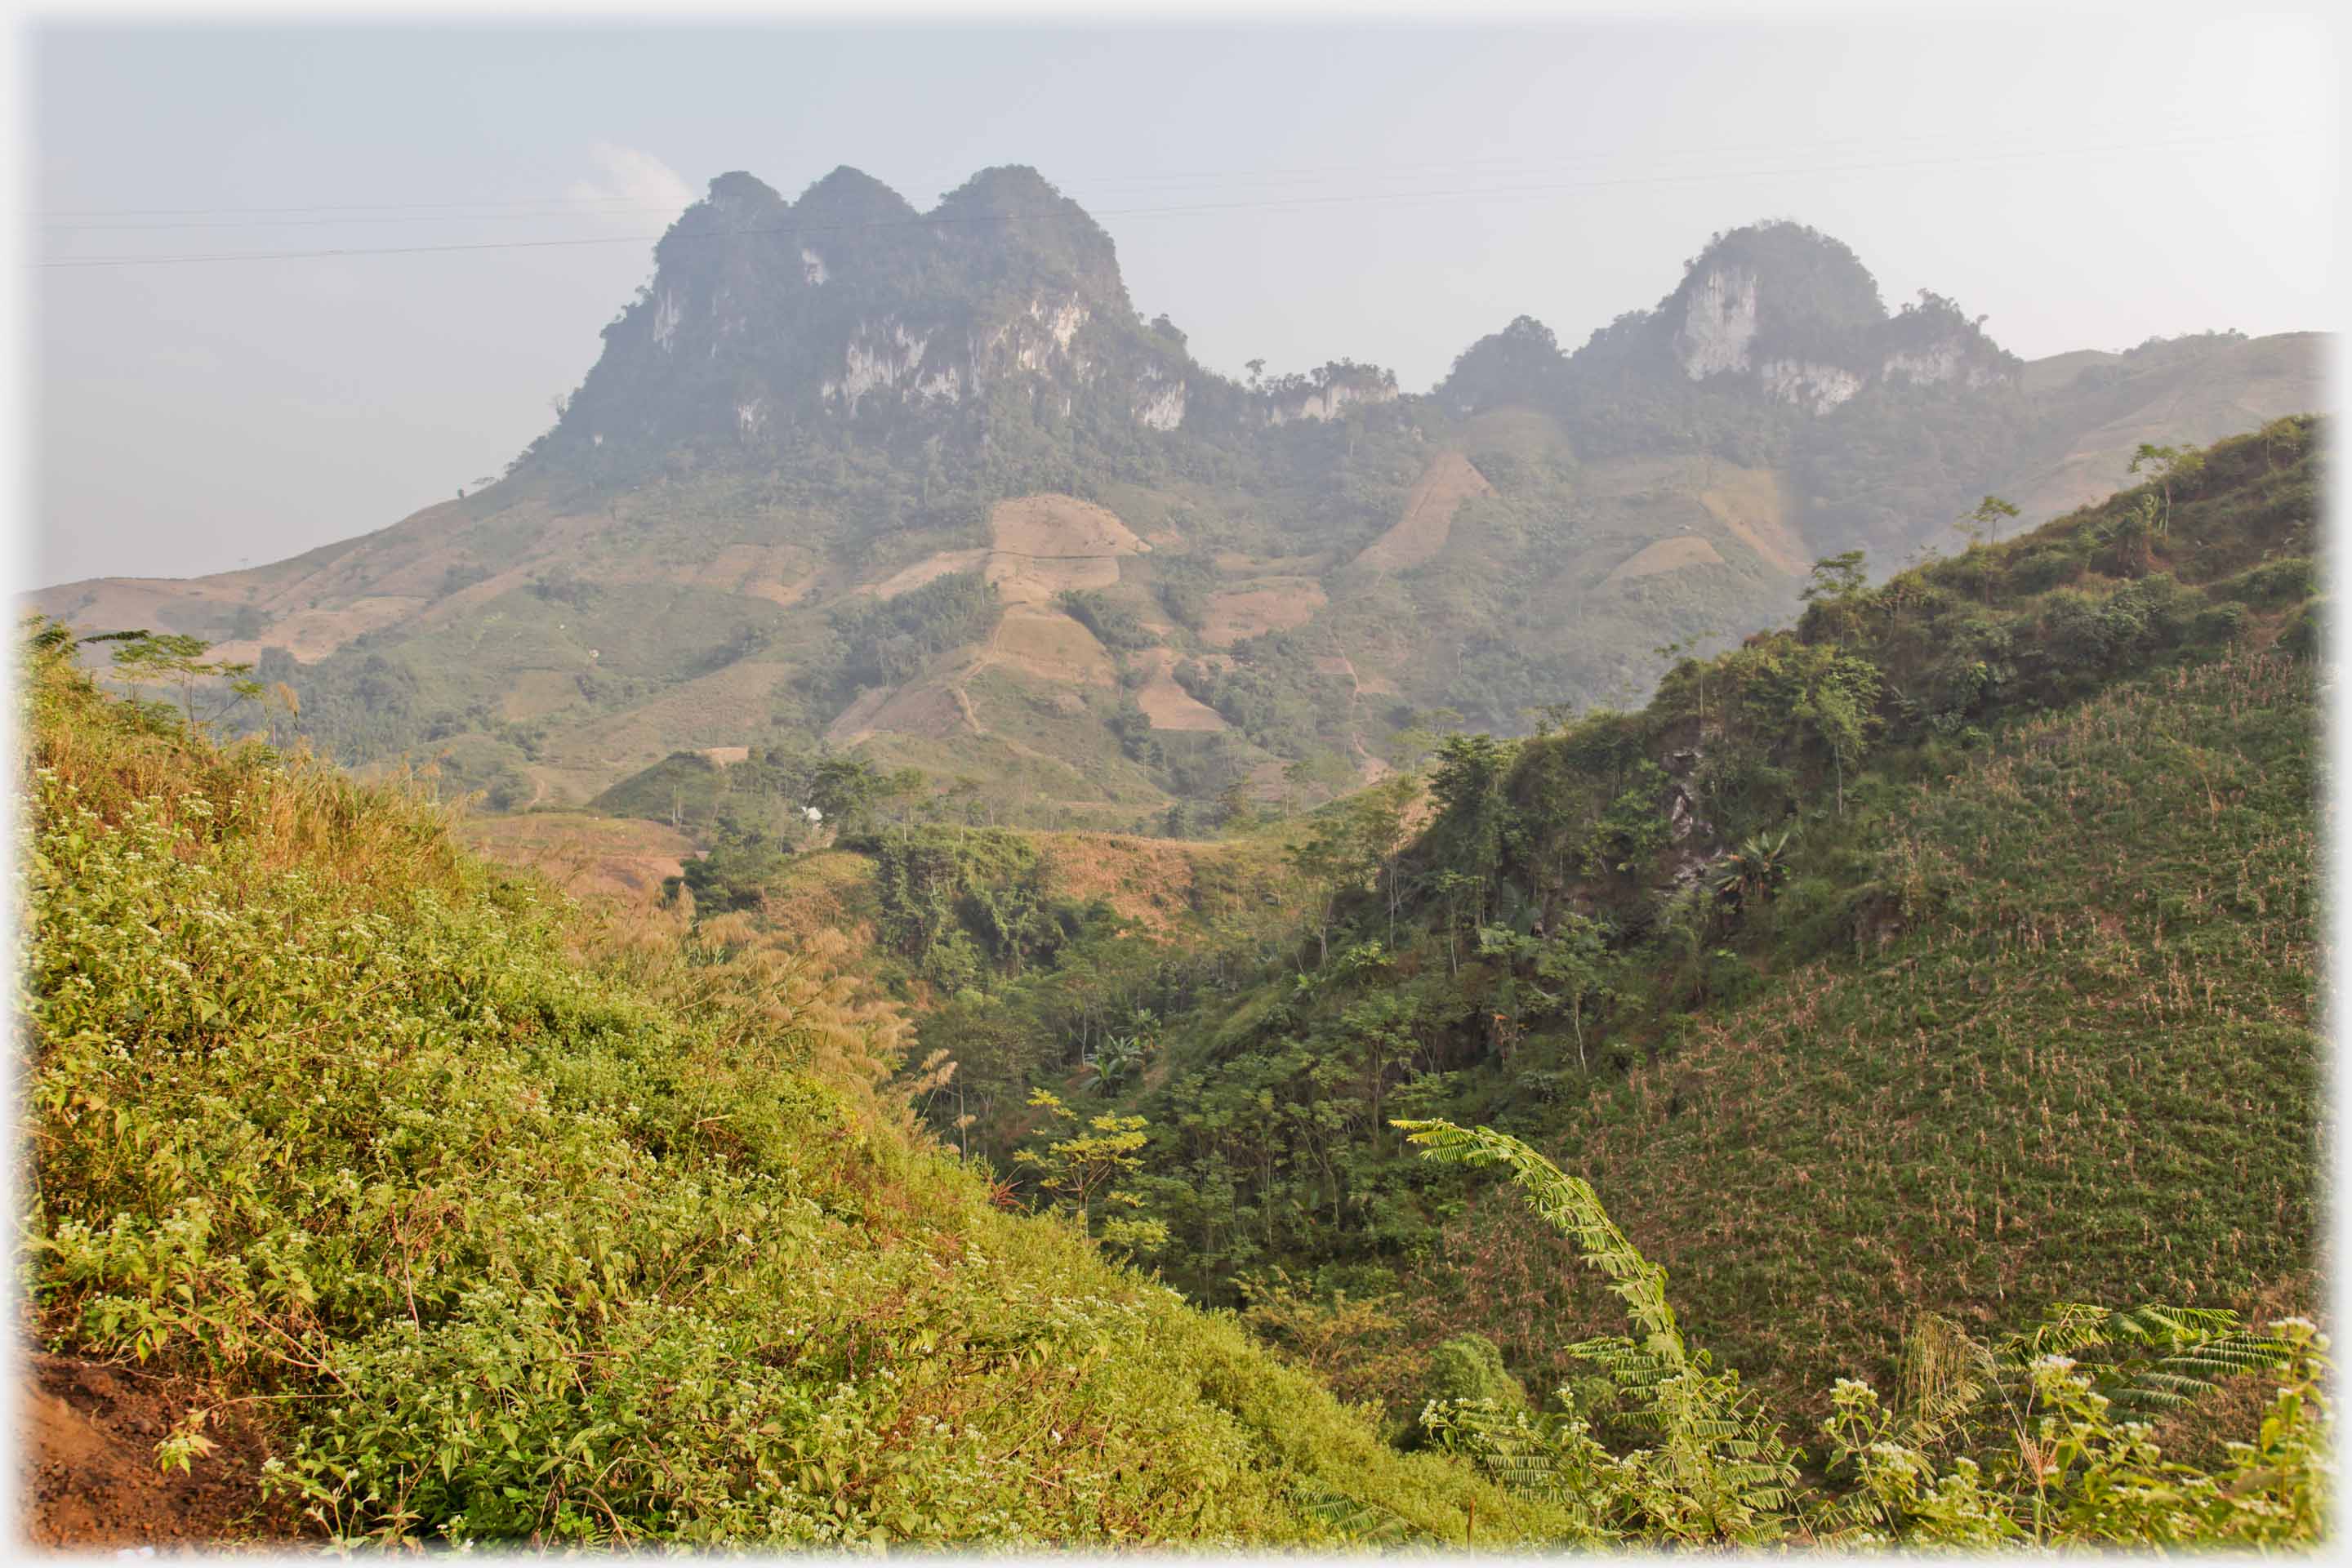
{"x":1123,"y":180}
{"x":1139,"y":182}
{"x":1272,"y":204}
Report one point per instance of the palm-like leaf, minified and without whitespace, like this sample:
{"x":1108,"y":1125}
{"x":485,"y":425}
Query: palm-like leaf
{"x":1720,"y":1465}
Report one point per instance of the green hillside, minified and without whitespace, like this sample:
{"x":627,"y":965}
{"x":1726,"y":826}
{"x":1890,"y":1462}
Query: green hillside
{"x":503,"y":1224}
{"x":1953,"y":951}
{"x":1915,"y":985}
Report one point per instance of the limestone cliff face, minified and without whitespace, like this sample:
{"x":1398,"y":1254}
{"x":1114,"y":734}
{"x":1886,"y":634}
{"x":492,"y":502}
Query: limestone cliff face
{"x":1794,"y":313}
{"x":1815,"y":388}
{"x":850,"y":307}
{"x":1325,"y":394}
{"x":1718,"y":323}
{"x":1774,"y":316}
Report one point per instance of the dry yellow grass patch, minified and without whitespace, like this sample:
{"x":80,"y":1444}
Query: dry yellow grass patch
{"x":930,"y":569}
{"x":825,"y":891}
{"x":313,"y":634}
{"x":587,"y":856}
{"x":1168,"y":705}
{"x":1268,"y":604}
{"x":1060,"y":525}
{"x":1665,"y":555}
{"x":1147,"y":882}
{"x":552,"y":785}
{"x":1048,"y":544}
{"x":1752,"y":504}
{"x":1050,"y":644}
{"x":1428,"y":521}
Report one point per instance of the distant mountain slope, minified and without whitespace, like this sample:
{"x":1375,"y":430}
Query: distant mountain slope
{"x":755,"y":523}
{"x":2181,"y":392}
{"x":1951,"y":949}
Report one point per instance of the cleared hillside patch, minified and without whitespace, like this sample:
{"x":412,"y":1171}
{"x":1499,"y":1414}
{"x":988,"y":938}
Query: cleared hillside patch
{"x":1051,"y":645}
{"x":929,"y":570}
{"x":1168,"y":705}
{"x":1751,"y":505}
{"x":586,"y":855}
{"x":1264,"y":605}
{"x":1449,"y":481}
{"x":1664,"y":555}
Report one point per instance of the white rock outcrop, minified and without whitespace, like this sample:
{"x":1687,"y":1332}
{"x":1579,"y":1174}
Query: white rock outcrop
{"x":1326,"y":403}
{"x":1947,"y":359}
{"x":1817,"y":388}
{"x":1718,"y":325}
{"x":1159,"y":405}
{"x":876,"y":360}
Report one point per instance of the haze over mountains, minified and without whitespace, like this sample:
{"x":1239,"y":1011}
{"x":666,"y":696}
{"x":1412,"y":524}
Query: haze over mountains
{"x":849,"y":474}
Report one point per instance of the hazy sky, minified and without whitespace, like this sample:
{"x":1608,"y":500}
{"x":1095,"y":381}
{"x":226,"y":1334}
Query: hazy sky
{"x":1386,"y":194}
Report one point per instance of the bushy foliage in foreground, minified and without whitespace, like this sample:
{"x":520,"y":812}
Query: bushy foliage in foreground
{"x":516,"y":1227}
{"x":2044,"y":1439}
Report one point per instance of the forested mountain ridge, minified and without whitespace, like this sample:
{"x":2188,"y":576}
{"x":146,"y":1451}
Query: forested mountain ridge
{"x":1952,"y":948}
{"x":927,"y":486}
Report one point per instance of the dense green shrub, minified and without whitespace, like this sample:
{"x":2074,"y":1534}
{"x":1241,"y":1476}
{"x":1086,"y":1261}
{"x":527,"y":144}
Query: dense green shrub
{"x":1468,"y":1370}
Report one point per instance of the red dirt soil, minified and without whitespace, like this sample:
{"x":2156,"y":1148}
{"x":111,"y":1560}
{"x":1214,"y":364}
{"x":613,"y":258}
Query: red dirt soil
{"x":89,"y":1476}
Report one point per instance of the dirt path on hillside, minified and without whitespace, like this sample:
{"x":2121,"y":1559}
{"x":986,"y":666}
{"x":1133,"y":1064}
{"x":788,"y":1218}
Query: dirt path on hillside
{"x":1373,"y":769}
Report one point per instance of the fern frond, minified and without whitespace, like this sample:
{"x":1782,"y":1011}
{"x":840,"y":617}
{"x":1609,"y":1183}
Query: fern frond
{"x":1720,"y":1466}
{"x":1359,"y":1520}
{"x":1569,"y":1204}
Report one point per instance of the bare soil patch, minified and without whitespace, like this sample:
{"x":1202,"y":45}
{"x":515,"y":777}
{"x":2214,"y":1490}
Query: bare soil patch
{"x":854,"y":722}
{"x":312,"y":634}
{"x":1048,"y":544}
{"x":1061,"y":525}
{"x":90,"y":1479}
